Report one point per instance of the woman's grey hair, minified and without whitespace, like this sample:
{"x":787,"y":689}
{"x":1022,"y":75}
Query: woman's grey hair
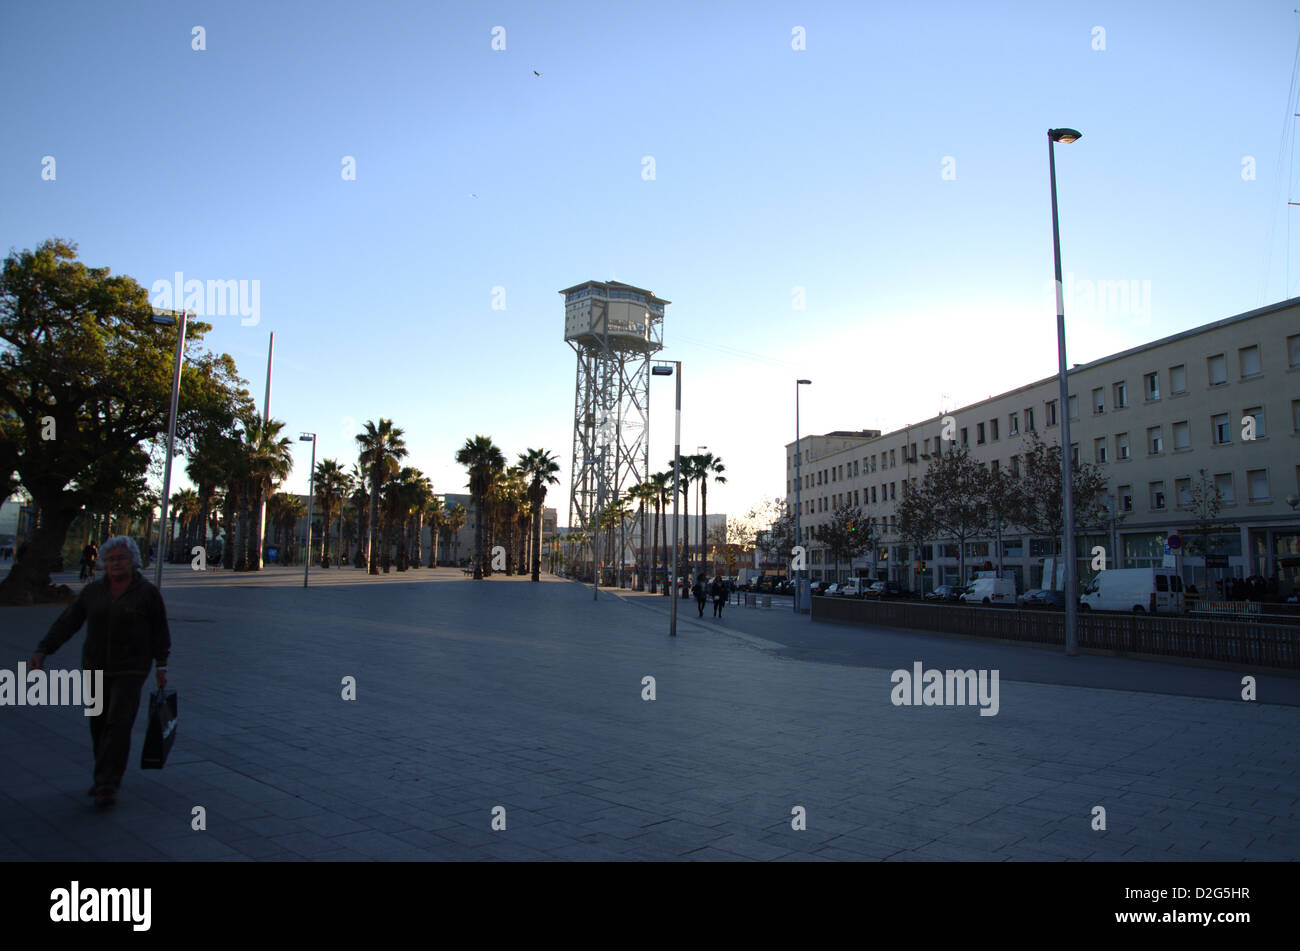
{"x":121,"y":541}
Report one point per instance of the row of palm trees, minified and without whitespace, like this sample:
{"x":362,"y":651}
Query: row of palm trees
{"x":655,"y":493}
{"x":508,"y":503}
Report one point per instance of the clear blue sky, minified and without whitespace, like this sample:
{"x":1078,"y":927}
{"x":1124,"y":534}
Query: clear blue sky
{"x":775,"y":168}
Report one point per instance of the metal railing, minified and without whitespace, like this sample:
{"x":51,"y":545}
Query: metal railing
{"x":1225,"y":639}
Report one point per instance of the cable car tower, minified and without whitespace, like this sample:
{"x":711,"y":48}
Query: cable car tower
{"x":614,"y":329}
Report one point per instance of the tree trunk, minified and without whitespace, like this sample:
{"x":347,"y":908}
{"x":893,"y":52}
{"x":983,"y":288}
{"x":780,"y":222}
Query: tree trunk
{"x":28,"y":581}
{"x":537,"y":543}
{"x":371,"y":560}
{"x":478,"y":541}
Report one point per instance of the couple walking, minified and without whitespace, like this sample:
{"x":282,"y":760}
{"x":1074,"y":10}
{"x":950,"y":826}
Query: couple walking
{"x":716,"y":590}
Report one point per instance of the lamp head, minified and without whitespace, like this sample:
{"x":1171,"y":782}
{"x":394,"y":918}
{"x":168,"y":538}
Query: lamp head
{"x":662,"y":369}
{"x":1064,"y":135}
{"x":307,"y":437}
{"x":802,"y":382}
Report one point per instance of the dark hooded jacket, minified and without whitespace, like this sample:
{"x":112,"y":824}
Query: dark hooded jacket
{"x":123,"y":636}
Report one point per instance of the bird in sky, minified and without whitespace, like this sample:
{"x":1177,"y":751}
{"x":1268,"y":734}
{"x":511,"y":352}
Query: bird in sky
{"x":536,"y":73}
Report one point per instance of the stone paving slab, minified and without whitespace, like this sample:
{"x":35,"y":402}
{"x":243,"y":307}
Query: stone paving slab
{"x":478,"y":695}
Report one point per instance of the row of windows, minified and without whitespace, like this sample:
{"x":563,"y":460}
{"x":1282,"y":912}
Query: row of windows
{"x":1257,"y":491}
{"x":1257,"y":486}
{"x":1248,"y":366}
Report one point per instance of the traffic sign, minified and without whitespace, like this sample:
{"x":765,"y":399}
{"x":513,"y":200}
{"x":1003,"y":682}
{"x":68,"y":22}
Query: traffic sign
{"x":1174,"y":542}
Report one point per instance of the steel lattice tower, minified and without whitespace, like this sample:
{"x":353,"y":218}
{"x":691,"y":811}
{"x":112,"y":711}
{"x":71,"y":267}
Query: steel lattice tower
{"x":614,"y":329}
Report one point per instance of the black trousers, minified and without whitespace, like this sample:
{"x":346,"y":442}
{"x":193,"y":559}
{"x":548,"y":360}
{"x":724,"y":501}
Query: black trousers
{"x":110,"y":732}
{"x":717,"y":607}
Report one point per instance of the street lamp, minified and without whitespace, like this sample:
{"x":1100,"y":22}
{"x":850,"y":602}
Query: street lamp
{"x":668,"y":368}
{"x":168,"y":319}
{"x":1063,"y":411}
{"x":311,"y":495}
{"x":799,"y":595}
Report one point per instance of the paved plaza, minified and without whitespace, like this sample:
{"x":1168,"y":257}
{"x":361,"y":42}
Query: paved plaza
{"x":506,"y":702}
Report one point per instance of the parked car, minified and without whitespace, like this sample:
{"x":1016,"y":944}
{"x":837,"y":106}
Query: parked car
{"x":989,"y":591}
{"x":946,"y":592}
{"x":881,"y":590}
{"x":1139,"y":590}
{"x":818,"y":587}
{"x":784,"y":586}
{"x":1042,"y":598}
{"x":854,"y":589}
{"x":833,"y":590}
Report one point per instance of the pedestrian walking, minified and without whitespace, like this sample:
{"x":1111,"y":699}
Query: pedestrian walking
{"x":89,"y":555}
{"x":698,"y":591}
{"x":126,"y":633}
{"x":719,"y":591}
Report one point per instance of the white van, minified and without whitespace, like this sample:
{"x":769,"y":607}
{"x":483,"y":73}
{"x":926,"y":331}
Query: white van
{"x":990,"y":591}
{"x":1136,"y":590}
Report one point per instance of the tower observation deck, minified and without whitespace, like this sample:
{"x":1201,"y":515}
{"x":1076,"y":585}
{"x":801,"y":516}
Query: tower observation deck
{"x":614,"y":329}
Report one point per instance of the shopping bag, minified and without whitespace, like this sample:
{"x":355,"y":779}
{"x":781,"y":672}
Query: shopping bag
{"x":161,"y":734}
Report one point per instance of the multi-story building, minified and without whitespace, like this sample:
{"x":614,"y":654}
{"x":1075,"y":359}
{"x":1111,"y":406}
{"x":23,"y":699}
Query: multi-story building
{"x":1154,"y":418}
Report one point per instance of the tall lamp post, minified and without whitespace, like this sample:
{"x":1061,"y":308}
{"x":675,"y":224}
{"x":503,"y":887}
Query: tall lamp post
{"x":799,"y":595}
{"x":671,"y":368}
{"x":311,"y":495}
{"x":1063,"y":410}
{"x":168,"y":319}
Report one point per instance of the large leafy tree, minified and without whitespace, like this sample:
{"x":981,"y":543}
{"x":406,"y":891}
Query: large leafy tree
{"x":951,"y":500}
{"x":85,"y":381}
{"x":846,"y":535}
{"x":483,"y":460}
{"x":540,"y":468}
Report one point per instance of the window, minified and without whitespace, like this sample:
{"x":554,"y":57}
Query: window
{"x":1182,"y":436}
{"x":1258,"y":413}
{"x":979,"y":434}
{"x":1015,"y":466}
{"x":873,"y":493}
{"x":1218,"y":370}
{"x":1249,"y":357}
{"x":893,"y":459}
{"x":1157,"y":495}
{"x":1051,"y":412}
{"x":892,"y":493}
{"x":1121,"y":395}
{"x":1295,"y":416}
{"x":1223,"y":482}
{"x":1013,"y":424}
{"x":855,"y":497}
{"x":914,"y":452}
{"x":1219,"y":428}
{"x":1183,"y":492}
{"x":1155,"y":443}
{"x":1293,"y":351}
{"x":1074,"y":407}
{"x":1151,"y":386}
{"x":1121,"y":446}
{"x":1098,"y":401}
{"x":926,"y":444}
{"x":1178,"y":379}
{"x":1126,"y":498}
{"x":1257,"y":484}
{"x":993,"y":429}
{"x":1074,"y":453}
{"x":964,"y":440}
{"x":1029,"y":420}
{"x":1099,"y":449}
{"x":996,"y":465}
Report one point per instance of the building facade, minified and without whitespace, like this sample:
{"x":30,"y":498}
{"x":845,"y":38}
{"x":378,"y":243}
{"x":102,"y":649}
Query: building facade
{"x":1222,"y":400}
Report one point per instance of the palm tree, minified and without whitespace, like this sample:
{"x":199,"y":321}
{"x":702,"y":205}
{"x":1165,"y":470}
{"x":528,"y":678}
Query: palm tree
{"x":455,"y":521}
{"x":421,"y":496}
{"x":661,"y":483}
{"x":644,"y":494}
{"x":382,"y":447}
{"x":270,"y":459}
{"x":330,"y":479}
{"x":436,"y":515}
{"x":540,"y":467}
{"x":483,"y":460}
{"x":682,"y":556}
{"x":611,"y":519}
{"x":509,"y":499}
{"x":706,"y":464}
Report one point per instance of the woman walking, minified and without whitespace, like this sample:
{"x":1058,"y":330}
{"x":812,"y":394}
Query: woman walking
{"x":719,"y":591}
{"x":126,"y":633}
{"x":700,"y":595}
